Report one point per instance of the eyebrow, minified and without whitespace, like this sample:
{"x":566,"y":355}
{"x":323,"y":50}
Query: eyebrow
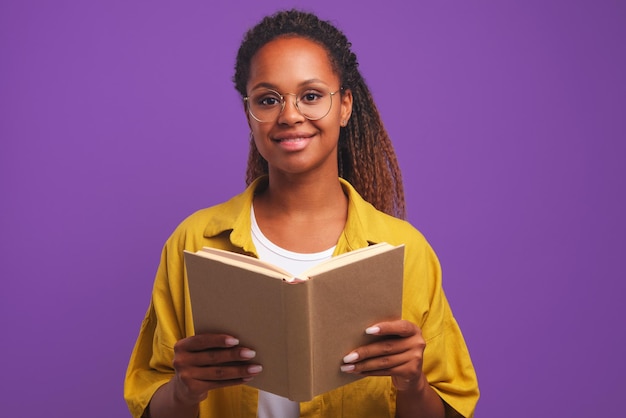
{"x":300,"y":85}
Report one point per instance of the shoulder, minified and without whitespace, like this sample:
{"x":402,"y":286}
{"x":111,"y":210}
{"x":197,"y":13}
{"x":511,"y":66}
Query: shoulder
{"x":398,"y":231}
{"x":392,"y":227}
{"x":377,"y":226}
{"x":213,"y":221}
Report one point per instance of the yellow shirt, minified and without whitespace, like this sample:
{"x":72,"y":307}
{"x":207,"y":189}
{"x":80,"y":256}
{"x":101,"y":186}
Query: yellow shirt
{"x":447,"y":363}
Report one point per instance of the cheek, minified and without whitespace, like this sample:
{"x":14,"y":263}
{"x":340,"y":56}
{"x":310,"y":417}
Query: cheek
{"x":333,"y":122}
{"x":258,"y":133}
{"x":259,"y":142}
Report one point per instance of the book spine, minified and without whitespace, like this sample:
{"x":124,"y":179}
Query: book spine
{"x":298,"y":340}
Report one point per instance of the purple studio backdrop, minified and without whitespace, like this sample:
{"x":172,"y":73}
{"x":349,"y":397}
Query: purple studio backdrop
{"x":118,"y":119}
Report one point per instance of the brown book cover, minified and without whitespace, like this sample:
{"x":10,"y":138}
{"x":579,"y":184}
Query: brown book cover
{"x":300,"y":330}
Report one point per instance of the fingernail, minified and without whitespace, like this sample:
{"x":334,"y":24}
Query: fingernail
{"x":347,"y":367}
{"x":254,"y":369}
{"x":351,"y":357}
{"x":230,"y":341}
{"x":372,"y":330}
{"x":247,"y":353}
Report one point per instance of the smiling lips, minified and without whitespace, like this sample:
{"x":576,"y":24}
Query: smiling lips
{"x":293,"y":142}
{"x":295,"y":137}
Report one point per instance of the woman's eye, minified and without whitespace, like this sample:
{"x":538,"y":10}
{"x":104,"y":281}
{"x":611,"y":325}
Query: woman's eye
{"x":269,"y":101}
{"x":311,"y":97}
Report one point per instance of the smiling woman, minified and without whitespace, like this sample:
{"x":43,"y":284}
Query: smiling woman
{"x":323,"y":180}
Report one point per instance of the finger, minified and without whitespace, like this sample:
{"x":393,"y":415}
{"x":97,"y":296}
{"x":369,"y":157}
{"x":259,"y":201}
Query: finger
{"x":202,"y":342}
{"x":215,"y":357}
{"x":384,"y":365}
{"x":212,"y":357}
{"x":401,"y":328}
{"x":385,"y":347}
{"x":227,"y":373}
{"x":195,"y":382}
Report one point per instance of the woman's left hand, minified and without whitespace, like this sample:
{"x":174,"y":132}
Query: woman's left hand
{"x":399,"y":354}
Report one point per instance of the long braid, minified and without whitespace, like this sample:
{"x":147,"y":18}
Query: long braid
{"x":366,"y":157}
{"x":372,"y":167}
{"x":257,"y":166}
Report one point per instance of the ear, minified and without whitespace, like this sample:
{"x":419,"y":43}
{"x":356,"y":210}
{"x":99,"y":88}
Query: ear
{"x":245,"y":111}
{"x":346,"y":105}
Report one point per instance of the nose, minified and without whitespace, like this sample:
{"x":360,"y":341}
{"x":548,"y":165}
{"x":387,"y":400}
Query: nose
{"x":290,"y":113}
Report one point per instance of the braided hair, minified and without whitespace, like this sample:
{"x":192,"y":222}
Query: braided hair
{"x":366,"y":157}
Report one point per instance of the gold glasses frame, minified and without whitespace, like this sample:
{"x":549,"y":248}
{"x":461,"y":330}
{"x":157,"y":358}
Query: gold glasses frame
{"x":283,"y":101}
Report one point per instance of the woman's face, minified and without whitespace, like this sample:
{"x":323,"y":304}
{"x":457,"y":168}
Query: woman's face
{"x":291,"y":143}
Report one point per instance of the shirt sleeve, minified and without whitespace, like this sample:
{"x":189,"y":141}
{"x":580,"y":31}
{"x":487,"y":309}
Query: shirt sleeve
{"x":447,"y":363}
{"x":150,"y":365}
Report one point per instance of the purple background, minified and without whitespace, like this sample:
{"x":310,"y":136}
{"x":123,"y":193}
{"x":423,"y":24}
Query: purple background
{"x":118,"y":119}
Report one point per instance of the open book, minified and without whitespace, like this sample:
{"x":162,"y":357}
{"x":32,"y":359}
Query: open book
{"x":300,"y":330}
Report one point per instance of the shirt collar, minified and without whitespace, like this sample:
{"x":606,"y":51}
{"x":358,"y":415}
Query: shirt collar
{"x":362,"y":226}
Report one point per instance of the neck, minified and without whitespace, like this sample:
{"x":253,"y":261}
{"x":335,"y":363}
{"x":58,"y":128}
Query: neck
{"x":294,"y":194}
{"x":302,"y":214}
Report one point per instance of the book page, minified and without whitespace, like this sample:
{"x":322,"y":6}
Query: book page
{"x":244,"y":261}
{"x":349,"y":257}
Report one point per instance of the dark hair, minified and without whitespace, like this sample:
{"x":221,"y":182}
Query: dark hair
{"x":366,"y":157}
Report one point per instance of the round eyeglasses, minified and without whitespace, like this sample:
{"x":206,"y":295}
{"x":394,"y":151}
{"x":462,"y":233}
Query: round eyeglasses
{"x":265,"y":105}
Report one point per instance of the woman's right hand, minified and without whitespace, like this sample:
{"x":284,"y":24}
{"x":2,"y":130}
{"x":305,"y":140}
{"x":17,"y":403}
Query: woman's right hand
{"x":209,"y":361}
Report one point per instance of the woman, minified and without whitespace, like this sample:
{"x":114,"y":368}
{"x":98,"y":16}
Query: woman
{"x":318,"y":152}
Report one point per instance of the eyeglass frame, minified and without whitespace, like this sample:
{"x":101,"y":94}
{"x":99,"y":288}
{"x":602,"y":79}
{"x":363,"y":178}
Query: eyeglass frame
{"x":283,"y":102}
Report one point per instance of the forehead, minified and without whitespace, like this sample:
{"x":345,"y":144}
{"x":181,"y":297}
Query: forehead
{"x":290,"y":62}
